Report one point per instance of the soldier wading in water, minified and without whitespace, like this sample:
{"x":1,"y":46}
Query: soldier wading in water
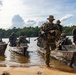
{"x":48,"y":33}
{"x":13,"y":39}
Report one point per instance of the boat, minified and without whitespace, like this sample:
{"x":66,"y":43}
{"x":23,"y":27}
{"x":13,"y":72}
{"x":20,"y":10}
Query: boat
{"x":67,"y":55}
{"x":3,"y":47}
{"x":21,"y":46}
{"x":21,"y":50}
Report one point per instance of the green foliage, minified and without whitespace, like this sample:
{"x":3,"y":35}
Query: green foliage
{"x":29,"y":31}
{"x":68,"y":30}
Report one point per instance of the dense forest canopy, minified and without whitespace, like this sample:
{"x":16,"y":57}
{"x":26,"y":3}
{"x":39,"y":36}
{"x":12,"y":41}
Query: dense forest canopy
{"x":29,"y":31}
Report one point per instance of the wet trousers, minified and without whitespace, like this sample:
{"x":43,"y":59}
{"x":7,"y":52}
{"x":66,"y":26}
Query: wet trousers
{"x":48,"y":49}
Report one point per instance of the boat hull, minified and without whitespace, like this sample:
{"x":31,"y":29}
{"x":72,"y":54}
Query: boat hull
{"x":67,"y":55}
{"x":3,"y":47}
{"x":22,"y":49}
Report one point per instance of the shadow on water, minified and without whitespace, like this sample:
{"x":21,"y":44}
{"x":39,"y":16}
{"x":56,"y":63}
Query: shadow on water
{"x":62,"y":66}
{"x":2,"y":58}
{"x":56,"y":64}
{"x":18,"y":58}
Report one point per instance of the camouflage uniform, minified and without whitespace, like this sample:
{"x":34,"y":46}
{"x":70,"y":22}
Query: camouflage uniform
{"x":22,"y":39}
{"x":49,"y":38}
{"x":74,"y":35}
{"x":59,"y":29}
{"x":13,"y":39}
{"x":0,"y":38}
{"x":63,"y":41}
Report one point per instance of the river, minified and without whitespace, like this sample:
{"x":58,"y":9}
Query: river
{"x":35,"y":59}
{"x":13,"y":59}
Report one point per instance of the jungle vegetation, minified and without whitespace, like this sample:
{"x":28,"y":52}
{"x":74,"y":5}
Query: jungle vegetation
{"x":30,"y":31}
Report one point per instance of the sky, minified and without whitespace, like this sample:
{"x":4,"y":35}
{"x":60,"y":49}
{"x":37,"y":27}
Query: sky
{"x":35,"y":12}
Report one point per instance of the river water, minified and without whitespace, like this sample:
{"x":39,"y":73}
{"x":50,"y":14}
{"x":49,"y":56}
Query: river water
{"x":35,"y":59}
{"x":13,"y":59}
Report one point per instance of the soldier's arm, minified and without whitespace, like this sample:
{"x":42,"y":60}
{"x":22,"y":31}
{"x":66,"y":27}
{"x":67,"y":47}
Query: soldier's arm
{"x":42,"y":29}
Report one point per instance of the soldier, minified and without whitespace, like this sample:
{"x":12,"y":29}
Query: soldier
{"x":22,"y":39}
{"x":23,"y":42}
{"x":0,"y":38}
{"x":74,"y":35}
{"x":59,"y":29}
{"x":12,"y":39}
{"x":48,"y":33}
{"x":63,"y":41}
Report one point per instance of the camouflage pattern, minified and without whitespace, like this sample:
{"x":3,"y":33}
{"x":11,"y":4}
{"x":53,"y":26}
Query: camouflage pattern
{"x":63,"y":41}
{"x":13,"y":39}
{"x":51,"y":17}
{"x":74,"y":35}
{"x":59,"y":29}
{"x":45,"y":30}
{"x":22,"y":40}
{"x":49,"y":38}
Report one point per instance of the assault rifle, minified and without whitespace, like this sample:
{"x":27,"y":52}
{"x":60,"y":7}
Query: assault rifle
{"x":49,"y":28}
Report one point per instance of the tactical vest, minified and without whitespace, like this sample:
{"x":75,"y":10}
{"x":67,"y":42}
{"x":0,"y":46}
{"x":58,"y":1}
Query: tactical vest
{"x":49,"y":36}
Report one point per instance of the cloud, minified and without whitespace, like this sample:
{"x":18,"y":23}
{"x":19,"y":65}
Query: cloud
{"x":31,"y":10}
{"x":39,"y":23}
{"x":34,"y":23}
{"x":66,"y":17}
{"x":17,"y":22}
{"x":30,"y":23}
{"x":1,"y":2}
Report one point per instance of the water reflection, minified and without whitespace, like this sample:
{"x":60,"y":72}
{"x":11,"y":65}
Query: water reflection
{"x":2,"y":58}
{"x":14,"y":57}
{"x":18,"y":58}
{"x":34,"y":59}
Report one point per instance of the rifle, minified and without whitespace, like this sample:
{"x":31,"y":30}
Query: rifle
{"x":49,"y":28}
{"x":62,"y":43}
